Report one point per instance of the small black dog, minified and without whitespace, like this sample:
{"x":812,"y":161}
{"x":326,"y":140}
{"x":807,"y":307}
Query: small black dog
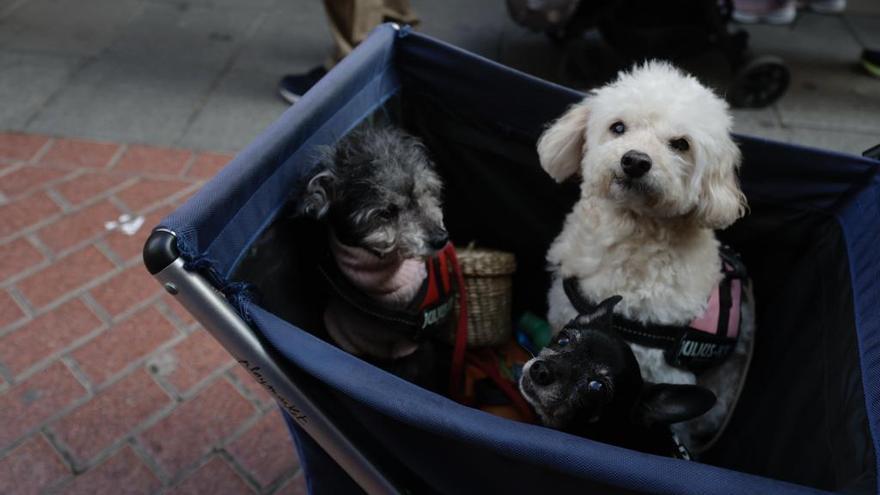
{"x":587,"y":382}
{"x":379,"y":196}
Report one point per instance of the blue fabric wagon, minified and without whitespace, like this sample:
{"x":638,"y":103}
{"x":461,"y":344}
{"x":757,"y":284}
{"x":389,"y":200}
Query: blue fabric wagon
{"x":808,"y":420}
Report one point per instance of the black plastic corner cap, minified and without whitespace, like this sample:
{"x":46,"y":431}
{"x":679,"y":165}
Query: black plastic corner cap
{"x":160,"y":251}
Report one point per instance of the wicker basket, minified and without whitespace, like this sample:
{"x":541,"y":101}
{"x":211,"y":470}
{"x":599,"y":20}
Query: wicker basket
{"x":488,"y":278}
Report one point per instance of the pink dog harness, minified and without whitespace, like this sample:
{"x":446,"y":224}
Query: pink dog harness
{"x":702,"y":344}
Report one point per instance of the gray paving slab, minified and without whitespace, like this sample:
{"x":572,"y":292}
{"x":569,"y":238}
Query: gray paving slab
{"x":185,"y":36}
{"x":826,"y":91}
{"x":474,"y":26}
{"x":748,"y":119}
{"x":66,"y":26}
{"x":845,"y":142}
{"x":764,"y":123}
{"x":834,"y":97}
{"x":853,"y":143}
{"x":220,"y":4}
{"x":239,"y":108}
{"x":871,"y":7}
{"x":125,"y":102}
{"x":815,"y":37}
{"x":866,"y":30}
{"x":293,"y":38}
{"x":530,"y":52}
{"x":7,"y":6}
{"x":27,"y":81}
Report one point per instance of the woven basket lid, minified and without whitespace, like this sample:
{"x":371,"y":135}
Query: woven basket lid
{"x":486,"y":262}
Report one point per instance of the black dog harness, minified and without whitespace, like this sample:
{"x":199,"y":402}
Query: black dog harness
{"x":425,"y":316}
{"x":706,"y":341}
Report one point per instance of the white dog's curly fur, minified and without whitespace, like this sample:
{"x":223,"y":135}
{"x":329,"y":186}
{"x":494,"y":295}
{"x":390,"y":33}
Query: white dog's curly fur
{"x":650,"y":239}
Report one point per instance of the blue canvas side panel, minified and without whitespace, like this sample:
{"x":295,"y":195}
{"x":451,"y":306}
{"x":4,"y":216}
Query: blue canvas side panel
{"x":224,"y":217}
{"x":529,"y":447}
{"x":861,"y":227}
{"x":800,"y":176}
{"x":510,"y":98}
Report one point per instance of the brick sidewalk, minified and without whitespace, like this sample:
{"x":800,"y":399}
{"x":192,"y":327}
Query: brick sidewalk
{"x":106,"y":385}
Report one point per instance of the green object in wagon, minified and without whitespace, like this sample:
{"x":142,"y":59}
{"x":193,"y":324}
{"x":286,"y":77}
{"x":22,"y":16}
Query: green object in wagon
{"x":537,"y":329}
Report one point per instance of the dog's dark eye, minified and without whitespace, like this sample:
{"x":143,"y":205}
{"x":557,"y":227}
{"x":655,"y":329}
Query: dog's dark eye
{"x":618,"y":128}
{"x":388,"y":213}
{"x":680,"y":144}
{"x":596,"y":386}
{"x":563,"y":340}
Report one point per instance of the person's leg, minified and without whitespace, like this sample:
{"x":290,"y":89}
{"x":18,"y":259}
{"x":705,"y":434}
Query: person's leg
{"x":350,"y":23}
{"x":352,"y":20}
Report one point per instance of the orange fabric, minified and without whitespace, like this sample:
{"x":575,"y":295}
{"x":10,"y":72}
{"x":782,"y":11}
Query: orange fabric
{"x":497,"y":365}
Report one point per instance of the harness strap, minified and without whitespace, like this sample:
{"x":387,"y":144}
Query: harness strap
{"x":422,"y":318}
{"x":428,"y":311}
{"x":631,"y":330}
{"x":341,"y":287}
{"x":684,"y":347}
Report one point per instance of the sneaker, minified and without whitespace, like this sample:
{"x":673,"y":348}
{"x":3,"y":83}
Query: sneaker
{"x":827,"y":6}
{"x":871,"y":61}
{"x":768,"y":11}
{"x":293,"y":86}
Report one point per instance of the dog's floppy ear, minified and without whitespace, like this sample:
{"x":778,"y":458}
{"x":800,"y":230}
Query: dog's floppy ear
{"x":318,"y":194}
{"x":664,"y":403}
{"x":720,"y":201}
{"x":602,"y":316}
{"x":561,"y":146}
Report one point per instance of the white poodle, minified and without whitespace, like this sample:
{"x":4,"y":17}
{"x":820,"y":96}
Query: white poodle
{"x":658,"y":169}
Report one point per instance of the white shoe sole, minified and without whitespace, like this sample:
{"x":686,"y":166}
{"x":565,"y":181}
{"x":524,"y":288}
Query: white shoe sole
{"x":828,"y":7}
{"x":780,"y":17}
{"x":289,"y":96}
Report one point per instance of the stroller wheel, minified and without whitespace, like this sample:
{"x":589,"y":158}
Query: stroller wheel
{"x":758,"y":83}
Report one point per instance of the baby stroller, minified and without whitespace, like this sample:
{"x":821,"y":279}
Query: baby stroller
{"x":643,"y":29}
{"x":808,"y":420}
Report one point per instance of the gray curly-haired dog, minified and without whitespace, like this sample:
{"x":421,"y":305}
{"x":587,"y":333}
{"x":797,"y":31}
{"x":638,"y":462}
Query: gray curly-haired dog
{"x":379,"y":191}
{"x":381,"y":199}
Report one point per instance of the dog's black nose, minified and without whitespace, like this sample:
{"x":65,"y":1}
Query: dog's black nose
{"x":542,"y":373}
{"x":635,"y":164}
{"x":437,"y":239}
